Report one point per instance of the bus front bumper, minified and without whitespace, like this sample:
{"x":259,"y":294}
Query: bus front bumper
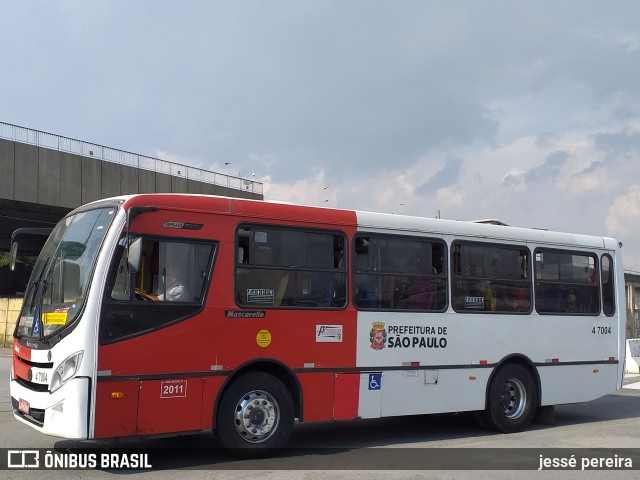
{"x":63,"y":413}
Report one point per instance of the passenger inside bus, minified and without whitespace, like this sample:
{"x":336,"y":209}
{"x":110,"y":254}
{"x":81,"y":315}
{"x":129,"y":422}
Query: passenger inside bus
{"x":242,"y":256}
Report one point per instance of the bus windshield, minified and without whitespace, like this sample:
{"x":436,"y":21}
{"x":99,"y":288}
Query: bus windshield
{"x":61,"y":276}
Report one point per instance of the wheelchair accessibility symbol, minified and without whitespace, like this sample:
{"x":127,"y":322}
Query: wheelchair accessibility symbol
{"x":375,"y":381}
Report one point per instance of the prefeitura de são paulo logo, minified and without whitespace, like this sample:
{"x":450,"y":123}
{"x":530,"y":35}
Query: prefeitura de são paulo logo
{"x":378,"y":336}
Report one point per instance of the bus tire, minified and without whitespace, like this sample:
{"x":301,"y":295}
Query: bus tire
{"x":255,"y":415}
{"x":511,"y":400}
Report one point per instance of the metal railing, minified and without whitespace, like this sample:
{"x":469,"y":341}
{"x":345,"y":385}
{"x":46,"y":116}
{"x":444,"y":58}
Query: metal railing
{"x":113,"y":155}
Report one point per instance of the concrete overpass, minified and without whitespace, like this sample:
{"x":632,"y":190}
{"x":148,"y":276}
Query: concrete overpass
{"x":43,"y":176}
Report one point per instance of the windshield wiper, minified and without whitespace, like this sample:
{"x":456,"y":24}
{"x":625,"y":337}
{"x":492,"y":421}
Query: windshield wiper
{"x":43,"y":291}
{"x":34,"y":285}
{"x":39,"y":287}
{"x":34,"y":288}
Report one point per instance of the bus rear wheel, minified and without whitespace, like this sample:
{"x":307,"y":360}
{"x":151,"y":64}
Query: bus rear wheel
{"x":255,"y":415}
{"x":511,"y":400}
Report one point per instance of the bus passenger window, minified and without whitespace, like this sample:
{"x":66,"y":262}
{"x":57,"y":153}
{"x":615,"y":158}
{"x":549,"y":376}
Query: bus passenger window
{"x":566,"y":282}
{"x":608,"y":291}
{"x":490,"y":277}
{"x":398,"y":273}
{"x":289,"y":267}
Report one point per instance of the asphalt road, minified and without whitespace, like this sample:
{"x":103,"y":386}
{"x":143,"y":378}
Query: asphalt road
{"x":404,"y":447}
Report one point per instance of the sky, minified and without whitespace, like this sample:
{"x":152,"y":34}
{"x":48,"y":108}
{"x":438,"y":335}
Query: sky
{"x":526,"y":112}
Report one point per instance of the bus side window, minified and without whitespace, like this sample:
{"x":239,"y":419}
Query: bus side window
{"x":170,"y":272}
{"x":398,"y":273}
{"x":491,"y":277}
{"x":608,"y":292}
{"x":289,"y":267}
{"x":147,"y":300}
{"x":566,"y":282}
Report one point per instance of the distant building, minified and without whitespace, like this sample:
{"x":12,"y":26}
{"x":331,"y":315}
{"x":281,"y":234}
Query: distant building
{"x":632,"y":287}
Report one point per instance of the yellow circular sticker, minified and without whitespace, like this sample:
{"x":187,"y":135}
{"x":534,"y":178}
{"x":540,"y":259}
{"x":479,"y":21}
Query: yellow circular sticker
{"x":263,"y":338}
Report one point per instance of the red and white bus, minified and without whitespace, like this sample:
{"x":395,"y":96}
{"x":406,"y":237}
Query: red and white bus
{"x":170,"y":314}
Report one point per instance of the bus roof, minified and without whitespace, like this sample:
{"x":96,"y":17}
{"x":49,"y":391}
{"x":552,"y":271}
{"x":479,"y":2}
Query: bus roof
{"x":363,"y":220}
{"x":481,"y":231}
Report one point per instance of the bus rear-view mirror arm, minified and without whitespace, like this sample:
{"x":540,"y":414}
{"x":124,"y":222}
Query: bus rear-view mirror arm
{"x":134,"y":255}
{"x":134,"y":249}
{"x":13,"y":255}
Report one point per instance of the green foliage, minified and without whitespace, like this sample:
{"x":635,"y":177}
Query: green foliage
{"x":27,"y":260}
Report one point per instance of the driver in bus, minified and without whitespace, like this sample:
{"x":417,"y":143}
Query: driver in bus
{"x":174,"y":287}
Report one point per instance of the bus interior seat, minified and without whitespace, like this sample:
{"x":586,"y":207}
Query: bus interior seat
{"x":365,"y":294}
{"x":323,"y":284}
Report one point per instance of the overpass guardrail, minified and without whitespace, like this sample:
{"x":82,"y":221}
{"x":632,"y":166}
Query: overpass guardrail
{"x":122,"y":157}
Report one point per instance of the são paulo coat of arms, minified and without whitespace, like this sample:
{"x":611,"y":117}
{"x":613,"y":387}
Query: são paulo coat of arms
{"x":378,"y":336}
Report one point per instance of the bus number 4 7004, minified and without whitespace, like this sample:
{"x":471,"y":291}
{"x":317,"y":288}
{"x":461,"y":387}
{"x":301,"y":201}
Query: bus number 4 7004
{"x":601,"y":330}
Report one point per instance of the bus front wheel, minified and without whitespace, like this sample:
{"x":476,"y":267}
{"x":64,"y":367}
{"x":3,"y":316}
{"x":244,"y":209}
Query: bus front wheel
{"x":255,"y":414}
{"x":511,"y":400}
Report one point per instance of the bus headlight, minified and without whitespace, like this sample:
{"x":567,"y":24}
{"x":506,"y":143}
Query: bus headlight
{"x":66,"y":371}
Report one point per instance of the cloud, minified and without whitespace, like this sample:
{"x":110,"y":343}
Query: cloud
{"x":623,"y":223}
{"x":548,"y":171}
{"x":591,"y":181}
{"x":619,"y":142}
{"x":309,"y":191}
{"x":594,"y":167}
{"x":513,"y":178}
{"x":444,"y":177}
{"x":527,"y":112}
{"x":624,"y":214}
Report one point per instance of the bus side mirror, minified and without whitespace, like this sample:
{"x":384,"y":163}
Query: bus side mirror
{"x":134,"y":255}
{"x":13,"y":256}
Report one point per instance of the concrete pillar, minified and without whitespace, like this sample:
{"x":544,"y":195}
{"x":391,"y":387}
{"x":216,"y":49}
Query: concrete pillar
{"x":194,"y":186}
{"x":146,"y":181}
{"x":49,"y":177}
{"x":163,"y":183}
{"x":208,"y":189}
{"x":129,"y":178}
{"x":179,"y":185}
{"x":91,"y":180}
{"x":71,"y":180}
{"x":110,"y":178}
{"x":7,"y":169}
{"x":26,"y":173}
{"x":226,"y":191}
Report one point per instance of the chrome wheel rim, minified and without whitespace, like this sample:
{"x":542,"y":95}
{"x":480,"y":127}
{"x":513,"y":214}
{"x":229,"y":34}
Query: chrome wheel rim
{"x":513,"y":398}
{"x":256,"y":416}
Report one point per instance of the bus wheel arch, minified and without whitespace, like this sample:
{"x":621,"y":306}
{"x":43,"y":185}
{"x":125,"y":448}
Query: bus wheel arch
{"x":267,"y":396}
{"x":512,"y":396}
